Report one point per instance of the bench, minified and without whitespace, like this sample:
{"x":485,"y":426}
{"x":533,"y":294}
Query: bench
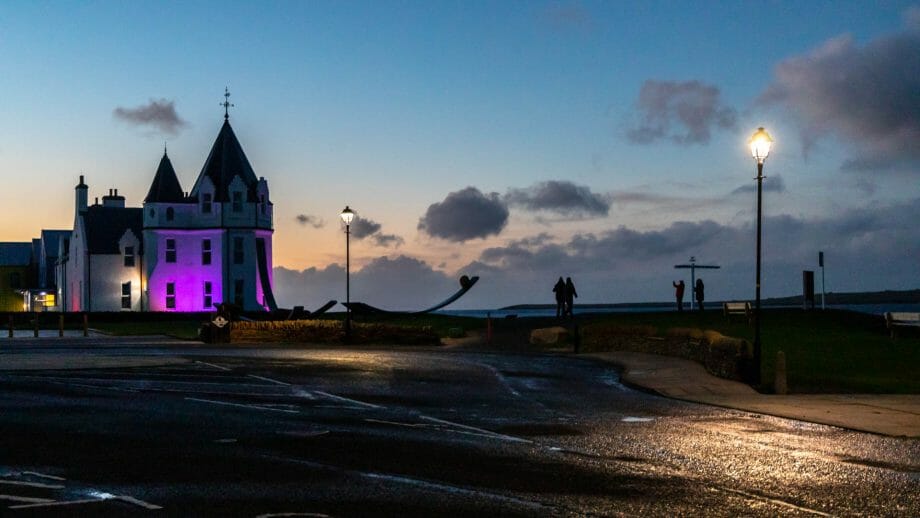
{"x":734,"y":309}
{"x":896,"y":321}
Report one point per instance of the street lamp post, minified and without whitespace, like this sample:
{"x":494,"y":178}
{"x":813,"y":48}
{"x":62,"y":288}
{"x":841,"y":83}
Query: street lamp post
{"x":347,"y":215}
{"x":760,"y":147}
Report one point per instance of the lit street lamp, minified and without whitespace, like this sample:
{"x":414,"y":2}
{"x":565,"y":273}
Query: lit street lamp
{"x":347,"y":215}
{"x":760,"y":148}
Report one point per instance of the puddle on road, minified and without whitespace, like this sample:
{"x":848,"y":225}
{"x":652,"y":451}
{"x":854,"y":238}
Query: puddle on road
{"x":631,"y":419}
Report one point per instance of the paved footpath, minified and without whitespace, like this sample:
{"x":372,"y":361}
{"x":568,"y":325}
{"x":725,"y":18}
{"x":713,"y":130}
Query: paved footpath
{"x":887,"y":414}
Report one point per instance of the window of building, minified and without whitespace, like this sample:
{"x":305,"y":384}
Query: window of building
{"x":170,"y":250}
{"x":263,"y":204}
{"x":15,"y":280}
{"x":237,"y":201}
{"x":207,"y":295}
{"x":238,"y":292}
{"x":170,"y":295}
{"x":170,"y":213}
{"x":206,"y":251}
{"x":206,"y":203}
{"x":237,"y":250}
{"x":126,"y":295}
{"x":152,"y":212}
{"x":129,"y":256}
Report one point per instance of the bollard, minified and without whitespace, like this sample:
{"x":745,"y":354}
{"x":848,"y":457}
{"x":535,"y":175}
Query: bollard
{"x":85,"y":324}
{"x":36,"y":324}
{"x":11,"y":326}
{"x":489,"y":328}
{"x":779,"y":381}
{"x":61,"y":325}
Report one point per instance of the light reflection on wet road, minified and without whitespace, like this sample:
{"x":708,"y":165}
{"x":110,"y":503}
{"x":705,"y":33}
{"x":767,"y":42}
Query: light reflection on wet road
{"x":343,"y":432}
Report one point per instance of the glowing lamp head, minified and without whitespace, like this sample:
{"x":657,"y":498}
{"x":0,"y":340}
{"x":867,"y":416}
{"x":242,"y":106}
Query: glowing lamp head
{"x":347,"y":215}
{"x":760,"y":145}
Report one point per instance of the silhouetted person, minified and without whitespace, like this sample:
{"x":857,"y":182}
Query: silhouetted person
{"x":559,"y":290}
{"x":679,"y":294}
{"x":700,"y":293}
{"x":570,"y":295}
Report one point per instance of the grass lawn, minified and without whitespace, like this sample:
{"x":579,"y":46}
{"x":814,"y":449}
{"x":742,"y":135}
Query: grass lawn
{"x":829,"y":351}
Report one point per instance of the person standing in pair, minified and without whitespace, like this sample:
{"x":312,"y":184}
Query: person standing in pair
{"x":700,"y":294}
{"x":570,"y":295}
{"x":679,"y":294}
{"x":559,"y":290}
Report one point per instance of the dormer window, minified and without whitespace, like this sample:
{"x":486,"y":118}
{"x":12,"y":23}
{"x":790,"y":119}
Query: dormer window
{"x":129,"y":256}
{"x":206,"y":199}
{"x":262,"y":201}
{"x":237,"y":201}
{"x":170,"y":213}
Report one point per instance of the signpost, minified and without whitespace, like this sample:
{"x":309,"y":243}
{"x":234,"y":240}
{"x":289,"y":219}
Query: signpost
{"x":693,"y":267}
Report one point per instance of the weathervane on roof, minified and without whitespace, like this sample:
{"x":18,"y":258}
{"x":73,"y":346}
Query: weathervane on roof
{"x":226,"y":104}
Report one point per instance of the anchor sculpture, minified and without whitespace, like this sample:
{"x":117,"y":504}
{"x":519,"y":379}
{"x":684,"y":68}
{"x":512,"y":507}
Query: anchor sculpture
{"x":465,"y":284}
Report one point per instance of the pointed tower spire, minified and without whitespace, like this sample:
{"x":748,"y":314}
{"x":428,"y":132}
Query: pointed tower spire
{"x":165,"y":186}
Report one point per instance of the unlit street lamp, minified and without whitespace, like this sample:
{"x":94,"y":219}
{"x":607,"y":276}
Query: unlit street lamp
{"x":347,"y":215}
{"x":760,"y":148}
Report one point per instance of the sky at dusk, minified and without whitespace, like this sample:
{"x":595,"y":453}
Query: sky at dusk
{"x":516,"y":141}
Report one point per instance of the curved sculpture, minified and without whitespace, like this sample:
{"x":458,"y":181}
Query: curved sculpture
{"x":465,"y":284}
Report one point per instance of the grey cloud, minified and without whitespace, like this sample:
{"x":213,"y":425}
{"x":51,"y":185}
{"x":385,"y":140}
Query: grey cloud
{"x":313,"y":221}
{"x":867,"y":96}
{"x":366,"y":228}
{"x":683,"y":112}
{"x":560,"y":196}
{"x":159,"y":114}
{"x":362,"y":227}
{"x":773,"y":183}
{"x":464,"y":215}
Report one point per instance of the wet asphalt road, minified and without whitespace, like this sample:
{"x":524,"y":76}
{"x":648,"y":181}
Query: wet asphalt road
{"x":374,"y":432}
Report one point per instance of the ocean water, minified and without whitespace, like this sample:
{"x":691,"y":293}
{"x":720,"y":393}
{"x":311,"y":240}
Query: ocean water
{"x":872,"y":309}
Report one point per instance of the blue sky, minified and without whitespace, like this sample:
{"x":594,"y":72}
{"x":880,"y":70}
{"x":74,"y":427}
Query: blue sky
{"x":569,"y":112}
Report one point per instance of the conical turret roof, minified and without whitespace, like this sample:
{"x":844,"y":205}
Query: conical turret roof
{"x":226,"y":161}
{"x":165,"y":187}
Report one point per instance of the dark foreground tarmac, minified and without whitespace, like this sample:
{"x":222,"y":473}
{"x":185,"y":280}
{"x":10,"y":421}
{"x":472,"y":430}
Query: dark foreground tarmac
{"x":144,"y":426}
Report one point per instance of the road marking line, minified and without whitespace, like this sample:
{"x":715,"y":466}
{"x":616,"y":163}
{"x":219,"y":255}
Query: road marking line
{"x":272,"y":515}
{"x":254,"y":407}
{"x":42,"y":475}
{"x":453,"y":489}
{"x":221,"y":367}
{"x":349,"y":400}
{"x":413,"y":481}
{"x":395,"y":423}
{"x":26,"y":499}
{"x":31,"y":484}
{"x":276,"y":382}
{"x":56,"y":504}
{"x":483,"y":431}
{"x":773,"y":500}
{"x":139,"y":503}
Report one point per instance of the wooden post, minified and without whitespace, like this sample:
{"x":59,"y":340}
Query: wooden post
{"x":36,"y":324}
{"x":85,"y":324}
{"x":61,"y":325}
{"x":11,"y":326}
